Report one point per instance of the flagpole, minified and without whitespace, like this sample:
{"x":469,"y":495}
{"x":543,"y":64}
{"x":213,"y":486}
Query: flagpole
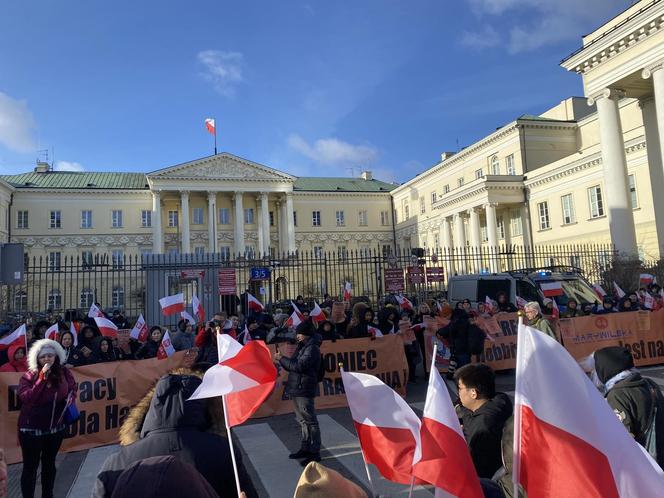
{"x":412,"y":485}
{"x":215,"y":137}
{"x":230,"y":443}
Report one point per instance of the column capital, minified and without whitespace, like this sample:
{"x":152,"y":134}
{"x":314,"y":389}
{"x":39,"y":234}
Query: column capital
{"x":490,"y":205}
{"x":264,"y":195}
{"x":238,"y":195}
{"x":606,"y":93}
{"x":184,"y":193}
{"x":156,"y":193}
{"x":212,"y":196}
{"x":650,"y":69}
{"x":473,"y":210}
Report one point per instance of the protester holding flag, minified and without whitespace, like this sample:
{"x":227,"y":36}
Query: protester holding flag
{"x":361,"y":317}
{"x":483,"y":413}
{"x":388,"y":320}
{"x":44,"y":391}
{"x":87,"y":345}
{"x":17,"y":359}
{"x":185,"y":337}
{"x":536,"y":320}
{"x":151,"y":347}
{"x":302,"y":385}
{"x":456,"y":333}
{"x":605,"y":307}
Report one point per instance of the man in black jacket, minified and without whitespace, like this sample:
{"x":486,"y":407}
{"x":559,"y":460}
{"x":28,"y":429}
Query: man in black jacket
{"x":483,"y":413}
{"x":302,"y":385}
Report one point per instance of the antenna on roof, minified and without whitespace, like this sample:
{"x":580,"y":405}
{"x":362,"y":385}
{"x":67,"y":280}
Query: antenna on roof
{"x":42,"y":161}
{"x":352,"y":171}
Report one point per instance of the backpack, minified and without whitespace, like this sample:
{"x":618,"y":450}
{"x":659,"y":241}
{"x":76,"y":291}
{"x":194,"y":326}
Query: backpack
{"x":320,"y":375}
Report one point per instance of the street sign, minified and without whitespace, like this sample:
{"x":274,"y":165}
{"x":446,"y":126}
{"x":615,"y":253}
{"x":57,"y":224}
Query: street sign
{"x":260,"y":273}
{"x":394,"y":280}
{"x":227,"y":282}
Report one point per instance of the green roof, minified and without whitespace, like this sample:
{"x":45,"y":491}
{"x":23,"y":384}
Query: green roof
{"x":78,"y":180}
{"x":533,"y":117}
{"x":320,"y":184}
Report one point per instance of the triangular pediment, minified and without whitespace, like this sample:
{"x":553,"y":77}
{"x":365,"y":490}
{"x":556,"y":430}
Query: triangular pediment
{"x":222,"y":166}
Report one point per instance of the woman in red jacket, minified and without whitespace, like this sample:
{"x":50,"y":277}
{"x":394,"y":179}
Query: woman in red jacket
{"x":44,"y":390}
{"x":17,"y":361}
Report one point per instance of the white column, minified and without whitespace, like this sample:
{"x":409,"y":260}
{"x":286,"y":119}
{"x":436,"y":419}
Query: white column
{"x":157,"y":234}
{"x":459,"y":232}
{"x":492,"y":233}
{"x":259,"y":227}
{"x":290,"y":226}
{"x":238,"y":234}
{"x":281,"y":225}
{"x":212,"y":222}
{"x":265,"y":213}
{"x":186,"y":239}
{"x":525,"y":227}
{"x":616,"y":196}
{"x":446,"y":231}
{"x":475,"y":235}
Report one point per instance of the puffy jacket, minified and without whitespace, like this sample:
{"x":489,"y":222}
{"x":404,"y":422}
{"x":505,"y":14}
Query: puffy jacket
{"x":457,"y":333}
{"x":14,"y":365}
{"x":302,"y":368}
{"x":43,"y":401}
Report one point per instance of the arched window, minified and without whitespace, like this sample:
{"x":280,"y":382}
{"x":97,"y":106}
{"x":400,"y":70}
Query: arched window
{"x":21,"y":301}
{"x":495,"y":165}
{"x":87,"y":298}
{"x":118,"y":297}
{"x":54,"y":300}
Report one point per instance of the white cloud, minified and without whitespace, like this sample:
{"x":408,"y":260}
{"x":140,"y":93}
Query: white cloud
{"x":334,"y":152}
{"x":222,"y":69}
{"x":68,"y":166}
{"x":486,"y":38}
{"x":16,"y":125}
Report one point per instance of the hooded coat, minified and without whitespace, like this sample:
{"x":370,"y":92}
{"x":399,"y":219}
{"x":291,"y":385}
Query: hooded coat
{"x":164,"y":423}
{"x":303,"y":367}
{"x":77,"y":358}
{"x":14,"y":365}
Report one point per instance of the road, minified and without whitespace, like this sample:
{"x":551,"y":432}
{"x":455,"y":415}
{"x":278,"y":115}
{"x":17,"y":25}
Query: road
{"x":265,"y":445}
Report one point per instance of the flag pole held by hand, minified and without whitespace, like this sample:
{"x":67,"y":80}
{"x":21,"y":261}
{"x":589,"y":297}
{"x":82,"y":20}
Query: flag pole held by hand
{"x":230,"y":443}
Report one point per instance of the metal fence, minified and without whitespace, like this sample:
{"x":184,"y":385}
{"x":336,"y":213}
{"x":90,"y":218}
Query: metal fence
{"x":74,"y":283}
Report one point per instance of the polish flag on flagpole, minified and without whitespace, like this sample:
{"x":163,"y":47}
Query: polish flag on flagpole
{"x":246,"y":377}
{"x":618,"y":291}
{"x":210,"y":126}
{"x":490,"y":304}
{"x":388,"y":429}
{"x":171,"y":305}
{"x":140,"y":330}
{"x":520,"y":302}
{"x":254,"y":304}
{"x":186,"y":316}
{"x":297,"y":310}
{"x":317,"y":314}
{"x":227,"y":347}
{"x":293,"y":320}
{"x":646,"y":279}
{"x":648,"y":301}
{"x":348,"y":291}
{"x":95,"y":311}
{"x":599,"y":290}
{"x":52,"y":332}
{"x":555,"y":313}
{"x":166,"y":349}
{"x":373,"y":331}
{"x":106,"y":327}
{"x":404,"y":302}
{"x":246,"y":336}
{"x":74,"y":333}
{"x":551,"y":289}
{"x":577,"y":427}
{"x":198,"y":308}
{"x":15,"y":338}
{"x":446,"y":462}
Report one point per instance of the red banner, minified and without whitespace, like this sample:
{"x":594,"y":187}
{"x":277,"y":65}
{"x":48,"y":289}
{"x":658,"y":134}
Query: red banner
{"x":394,"y":280}
{"x":227,"y":282}
{"x":416,"y":274}
{"x":435,"y":274}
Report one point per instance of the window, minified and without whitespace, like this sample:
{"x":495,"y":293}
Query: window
{"x":199,"y":251}
{"x":446,"y":189}
{"x":55,"y":219}
{"x":54,"y":300}
{"x":198,"y":216}
{"x":434,"y":197}
{"x":86,"y":219}
{"x":318,"y":251}
{"x":146,"y":218}
{"x":423,"y":208}
{"x":224,"y":216}
{"x":568,"y":209}
{"x":341,"y":220}
{"x":384,"y":218}
{"x":479,"y":174}
{"x":484,"y":233}
{"x":271,"y":218}
{"x":248,"y":216}
{"x":632,"y":191}
{"x":460,"y":182}
{"x":250,"y":252}
{"x":342,"y":253}
{"x":54,"y":261}
{"x":22,"y":219}
{"x":117,"y":297}
{"x":362,"y":218}
{"x":500,"y":225}
{"x":87,"y":298}
{"x":509,"y":165}
{"x":295,"y":218}
{"x":596,"y":204}
{"x":225,"y":252}
{"x":315,"y":218}
{"x":516,"y":226}
{"x":173,"y":219}
{"x":543,"y":210}
{"x":117,"y":257}
{"x":86,"y":260}
{"x":386,"y":250}
{"x":116,"y":218}
{"x":495,"y":165}
{"x":21,"y":301}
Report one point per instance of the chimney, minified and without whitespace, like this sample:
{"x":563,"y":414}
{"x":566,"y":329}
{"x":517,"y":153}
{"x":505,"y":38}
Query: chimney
{"x":366,"y":175}
{"x":42,"y":167}
{"x":446,"y":155}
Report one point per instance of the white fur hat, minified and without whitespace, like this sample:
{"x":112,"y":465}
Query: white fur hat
{"x":36,"y":348}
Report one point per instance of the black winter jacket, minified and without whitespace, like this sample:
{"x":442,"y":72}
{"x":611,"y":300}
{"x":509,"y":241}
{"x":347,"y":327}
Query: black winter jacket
{"x":458,"y":333}
{"x":148,"y":350}
{"x":302,"y":368}
{"x":483,"y":430}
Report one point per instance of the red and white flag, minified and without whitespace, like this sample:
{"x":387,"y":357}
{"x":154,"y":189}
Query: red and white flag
{"x":106,"y":327}
{"x":404,"y":302}
{"x":52,"y":332}
{"x":245,"y":336}
{"x":317,"y":314}
{"x":348,"y":291}
{"x":446,"y":462}
{"x":373,"y":331}
{"x":297,"y":310}
{"x":490,"y":304}
{"x":186,"y":316}
{"x":254,"y":304}
{"x":18,"y":337}
{"x":166,"y":349}
{"x":246,"y":378}
{"x":520,"y":302}
{"x":171,"y":305}
{"x":618,"y":291}
{"x":564,"y":426}
{"x":199,"y":311}
{"x":418,"y":327}
{"x":211,"y":126}
{"x":140,"y":330}
{"x":227,"y":347}
{"x":388,"y":429}
{"x":551,"y":289}
{"x":645,"y":279}
{"x":293,"y":320}
{"x":74,"y":333}
{"x":94,"y":311}
{"x":555,"y":312}
{"x":599,"y":290}
{"x":648,"y":301}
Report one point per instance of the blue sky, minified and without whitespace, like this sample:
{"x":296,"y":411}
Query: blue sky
{"x":313,"y":88}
